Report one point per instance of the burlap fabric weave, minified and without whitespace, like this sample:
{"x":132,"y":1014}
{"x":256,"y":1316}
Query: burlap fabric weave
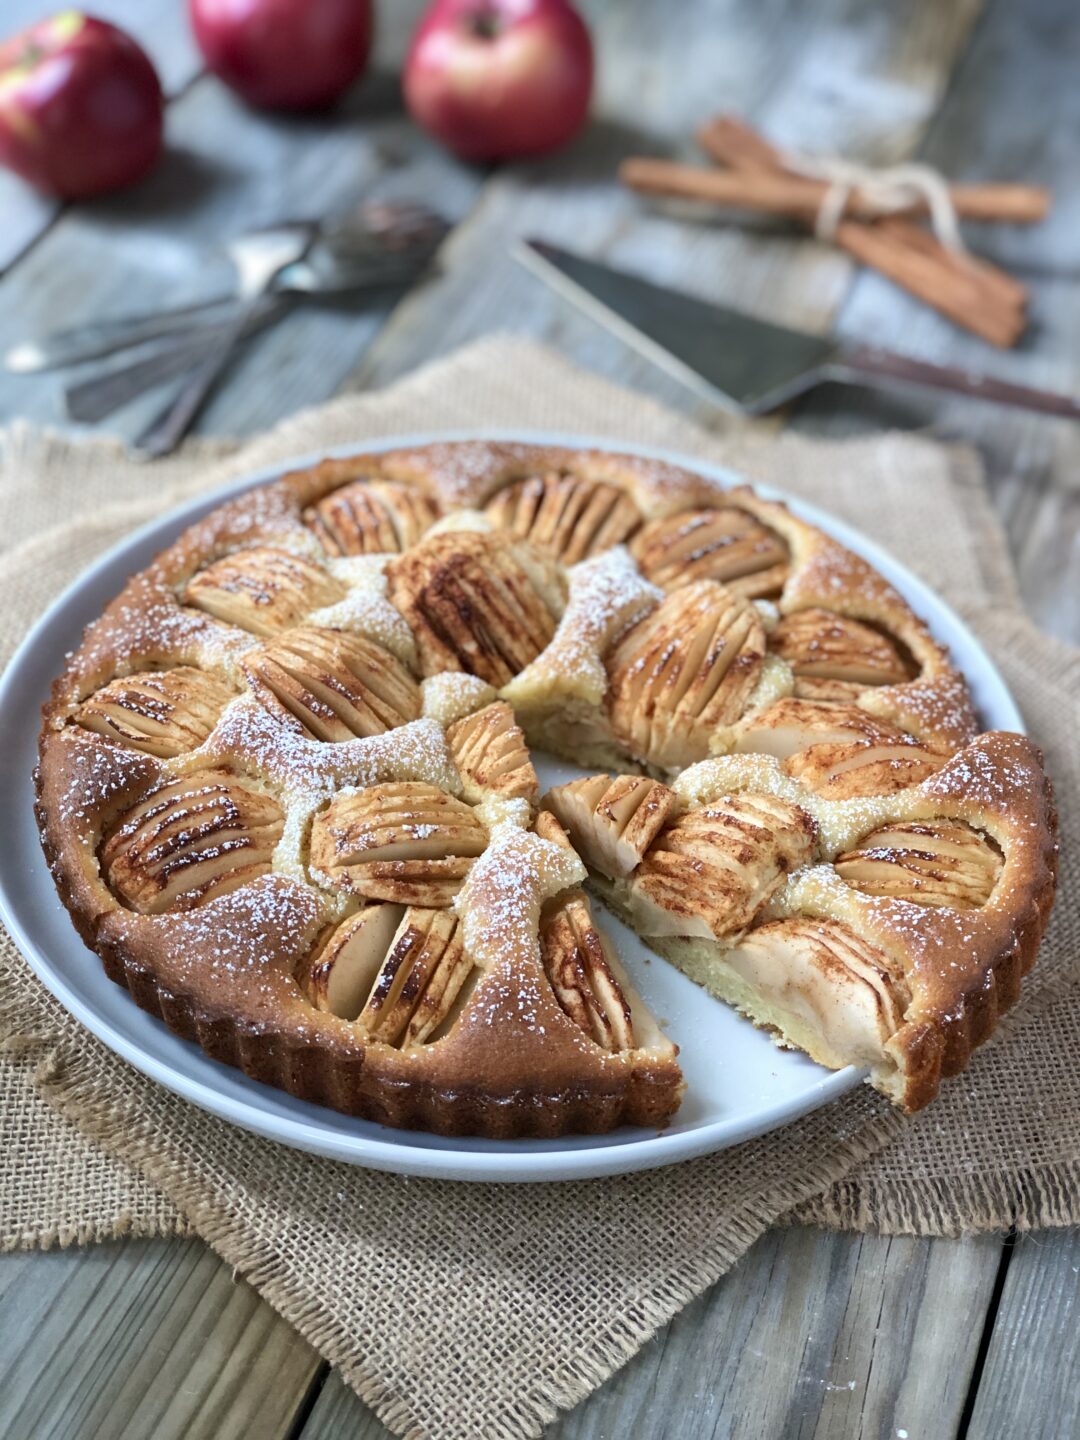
{"x":445,"y":1335}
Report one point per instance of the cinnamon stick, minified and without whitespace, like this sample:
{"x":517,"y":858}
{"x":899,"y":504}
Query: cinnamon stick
{"x":800,"y":197}
{"x":960,"y":296}
{"x":971,"y":292}
{"x":730,"y":141}
{"x":1004,"y":286}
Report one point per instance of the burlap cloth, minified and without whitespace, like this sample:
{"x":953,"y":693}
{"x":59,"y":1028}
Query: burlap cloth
{"x":460,"y":1310}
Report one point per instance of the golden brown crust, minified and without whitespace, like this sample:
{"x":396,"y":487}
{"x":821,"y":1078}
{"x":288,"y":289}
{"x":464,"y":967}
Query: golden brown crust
{"x":322,"y":600}
{"x":224,"y":976}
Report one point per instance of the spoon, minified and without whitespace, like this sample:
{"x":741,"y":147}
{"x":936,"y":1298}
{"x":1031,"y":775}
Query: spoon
{"x":94,"y":399}
{"x":375,"y":243}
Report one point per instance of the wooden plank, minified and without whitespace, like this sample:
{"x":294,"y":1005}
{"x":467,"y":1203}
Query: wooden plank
{"x":1028,"y":1383}
{"x":166,"y":248}
{"x":161,"y":27}
{"x":143,"y":1338}
{"x":1002,"y":120}
{"x":810,"y":1335}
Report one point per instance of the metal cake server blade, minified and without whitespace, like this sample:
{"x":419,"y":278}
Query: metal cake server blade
{"x":744,"y":364}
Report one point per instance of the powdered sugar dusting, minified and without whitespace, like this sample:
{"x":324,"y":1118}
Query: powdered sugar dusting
{"x":770,"y":614}
{"x":607,"y":594}
{"x":839,"y":822}
{"x":500,"y":901}
{"x":145,"y":627}
{"x":464,"y":471}
{"x":702,"y":783}
{"x":366,"y":610}
{"x":359,"y":572}
{"x":831,"y":570}
{"x":98,"y":773}
{"x":244,"y":935}
{"x":264,"y":745}
{"x":775,"y":680}
{"x":306,"y":773}
{"x":953,"y":942}
{"x":936,"y":709}
{"x":452,"y":694}
{"x":263,"y":515}
{"x":496,"y":810}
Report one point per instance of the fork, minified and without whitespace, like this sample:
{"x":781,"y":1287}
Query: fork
{"x":261,"y":260}
{"x":92,"y":399}
{"x":390,"y":237}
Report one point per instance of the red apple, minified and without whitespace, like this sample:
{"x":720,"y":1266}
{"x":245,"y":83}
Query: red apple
{"x":498,"y":79}
{"x":80,"y":106}
{"x":285,"y":54}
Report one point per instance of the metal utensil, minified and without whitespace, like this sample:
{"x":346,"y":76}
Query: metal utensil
{"x":106,"y":391}
{"x":375,"y":243}
{"x":91,"y":400}
{"x":258,"y":267}
{"x":102,"y":337}
{"x":745,"y":364}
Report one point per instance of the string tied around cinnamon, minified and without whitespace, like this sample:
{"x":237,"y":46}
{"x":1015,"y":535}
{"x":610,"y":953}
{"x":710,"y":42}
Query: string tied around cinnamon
{"x":889,"y":190}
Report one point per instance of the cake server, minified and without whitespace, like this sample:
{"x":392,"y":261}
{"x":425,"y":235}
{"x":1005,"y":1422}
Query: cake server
{"x":744,"y":364}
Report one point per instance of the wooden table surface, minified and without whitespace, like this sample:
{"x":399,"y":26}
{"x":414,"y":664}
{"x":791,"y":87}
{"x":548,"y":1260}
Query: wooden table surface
{"x":812,"y":1334}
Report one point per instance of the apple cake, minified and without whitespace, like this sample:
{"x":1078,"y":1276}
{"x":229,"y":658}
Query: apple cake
{"x":287,"y":794}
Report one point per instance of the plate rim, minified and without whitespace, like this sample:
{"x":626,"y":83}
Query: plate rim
{"x":652,"y":1149}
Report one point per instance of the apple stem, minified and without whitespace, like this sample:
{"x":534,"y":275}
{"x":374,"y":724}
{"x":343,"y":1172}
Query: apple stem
{"x":485,"y":24}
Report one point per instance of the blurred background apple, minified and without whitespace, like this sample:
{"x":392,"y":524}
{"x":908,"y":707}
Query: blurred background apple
{"x":499,"y":79}
{"x":81,"y":110}
{"x":285,"y":54}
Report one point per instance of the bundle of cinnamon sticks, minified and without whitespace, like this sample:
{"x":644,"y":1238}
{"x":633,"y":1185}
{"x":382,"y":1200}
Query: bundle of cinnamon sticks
{"x":750,"y":173}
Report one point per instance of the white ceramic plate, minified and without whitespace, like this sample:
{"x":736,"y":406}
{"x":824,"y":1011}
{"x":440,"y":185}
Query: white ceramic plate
{"x":738,"y":1084}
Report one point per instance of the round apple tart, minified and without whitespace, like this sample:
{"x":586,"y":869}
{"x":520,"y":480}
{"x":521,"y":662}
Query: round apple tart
{"x":286,"y":792}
